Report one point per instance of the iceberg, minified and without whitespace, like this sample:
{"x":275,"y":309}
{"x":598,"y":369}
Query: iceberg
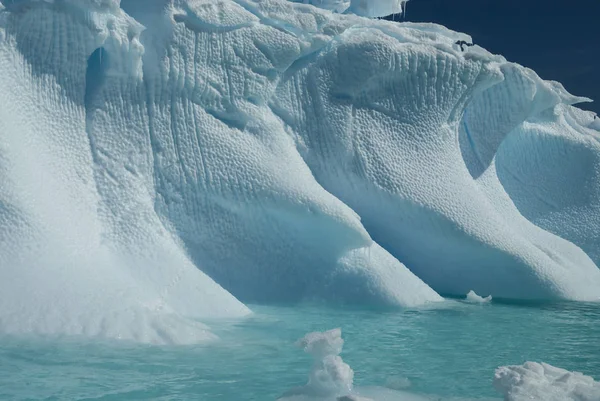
{"x":163,"y":164}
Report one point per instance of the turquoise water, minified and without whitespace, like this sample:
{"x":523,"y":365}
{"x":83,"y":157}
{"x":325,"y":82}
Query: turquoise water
{"x":450,"y":351}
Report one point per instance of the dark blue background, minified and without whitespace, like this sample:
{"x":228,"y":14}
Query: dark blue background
{"x":560,"y":40}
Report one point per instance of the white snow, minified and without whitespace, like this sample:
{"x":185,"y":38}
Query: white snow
{"x":163,"y":163}
{"x":540,"y":381}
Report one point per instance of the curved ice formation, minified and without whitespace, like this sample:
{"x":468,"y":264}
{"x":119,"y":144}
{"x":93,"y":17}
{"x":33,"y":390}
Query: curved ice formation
{"x":540,"y":381}
{"x":161,"y":162}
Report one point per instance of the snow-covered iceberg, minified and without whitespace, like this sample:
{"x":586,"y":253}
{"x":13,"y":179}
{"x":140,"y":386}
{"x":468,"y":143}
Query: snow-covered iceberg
{"x":163,"y":163}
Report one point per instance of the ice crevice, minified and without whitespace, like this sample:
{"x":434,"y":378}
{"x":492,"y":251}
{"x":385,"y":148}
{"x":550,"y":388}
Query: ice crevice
{"x":226,"y":152}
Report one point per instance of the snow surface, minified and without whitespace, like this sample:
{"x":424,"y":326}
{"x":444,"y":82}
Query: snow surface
{"x":163,"y":163}
{"x":540,"y":381}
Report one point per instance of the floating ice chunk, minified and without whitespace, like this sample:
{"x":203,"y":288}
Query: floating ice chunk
{"x":540,"y":381}
{"x":329,"y":376}
{"x":322,"y":344}
{"x":473,"y":297}
{"x":331,"y":379}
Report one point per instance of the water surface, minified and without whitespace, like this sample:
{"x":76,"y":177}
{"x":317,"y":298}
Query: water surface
{"x":450,"y":351}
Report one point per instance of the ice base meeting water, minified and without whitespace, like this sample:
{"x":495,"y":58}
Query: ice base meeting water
{"x":165,"y":166}
{"x":450,"y":351}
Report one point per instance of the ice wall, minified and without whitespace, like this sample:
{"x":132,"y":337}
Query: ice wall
{"x":161,"y":162}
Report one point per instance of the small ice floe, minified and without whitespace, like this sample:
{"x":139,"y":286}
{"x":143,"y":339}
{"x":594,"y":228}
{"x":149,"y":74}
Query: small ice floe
{"x":476,"y":299}
{"x":540,"y":381}
{"x":331,"y":379}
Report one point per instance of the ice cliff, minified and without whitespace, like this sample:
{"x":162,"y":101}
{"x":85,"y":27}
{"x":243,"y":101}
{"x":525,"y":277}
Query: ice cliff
{"x":163,"y":162}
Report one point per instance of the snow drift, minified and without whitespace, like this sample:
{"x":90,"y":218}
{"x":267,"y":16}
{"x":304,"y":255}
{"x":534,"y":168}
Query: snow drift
{"x":161,"y":164}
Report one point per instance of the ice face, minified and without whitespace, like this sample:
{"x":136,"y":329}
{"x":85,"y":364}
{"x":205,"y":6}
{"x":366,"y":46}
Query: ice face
{"x":173,"y":160}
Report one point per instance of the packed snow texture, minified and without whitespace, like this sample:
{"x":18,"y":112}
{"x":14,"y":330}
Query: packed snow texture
{"x":540,"y":381}
{"x":161,"y":163}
